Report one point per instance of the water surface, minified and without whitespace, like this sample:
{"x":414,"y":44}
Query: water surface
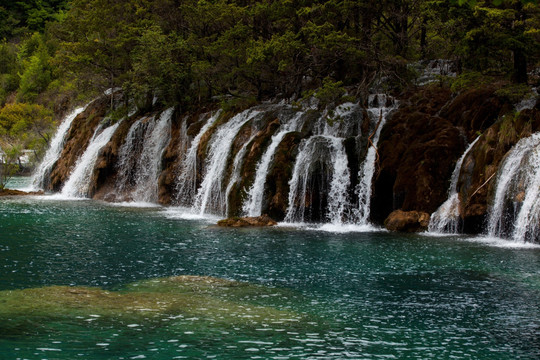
{"x":304,"y":293}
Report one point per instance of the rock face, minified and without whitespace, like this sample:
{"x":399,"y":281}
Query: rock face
{"x":263,"y":220}
{"x":407,"y":221}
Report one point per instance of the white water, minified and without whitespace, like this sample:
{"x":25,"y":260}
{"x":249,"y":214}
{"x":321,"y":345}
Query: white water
{"x":237,"y":167}
{"x":187,"y":179}
{"x":446,"y":218}
{"x":54,"y":151}
{"x":324,"y":153}
{"x":210,"y":195}
{"x":518,"y":176}
{"x":154,"y":136}
{"x":78,"y":183}
{"x":253,"y":204}
{"x":378,"y":112}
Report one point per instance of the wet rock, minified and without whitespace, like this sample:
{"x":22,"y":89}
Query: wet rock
{"x":407,"y":221}
{"x":263,"y":220}
{"x":9,"y":192}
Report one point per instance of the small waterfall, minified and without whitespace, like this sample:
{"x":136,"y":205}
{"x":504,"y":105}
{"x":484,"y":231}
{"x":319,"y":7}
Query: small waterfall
{"x":515,"y":209}
{"x":210,"y":196}
{"x":446,"y":218}
{"x":325,"y":155}
{"x":187,"y":179}
{"x":253,"y":204}
{"x":79,"y":180}
{"x":237,"y":167}
{"x":378,"y":112}
{"x":140,"y":157}
{"x":39,"y":179}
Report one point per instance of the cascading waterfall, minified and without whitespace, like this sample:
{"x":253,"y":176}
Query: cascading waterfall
{"x":515,"y":209}
{"x":140,"y":156}
{"x":237,"y":167}
{"x":210,"y":196}
{"x":326,"y":154}
{"x":187,"y":179}
{"x":79,"y":180}
{"x":39,"y":179}
{"x":446,"y":218}
{"x":253,"y":204}
{"x":378,"y":110}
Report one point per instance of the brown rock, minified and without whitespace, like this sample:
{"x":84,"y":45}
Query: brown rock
{"x":9,"y":192}
{"x":263,"y":220}
{"x":407,"y":221}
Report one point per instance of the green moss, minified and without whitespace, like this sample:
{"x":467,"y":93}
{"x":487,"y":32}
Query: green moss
{"x":148,"y":302}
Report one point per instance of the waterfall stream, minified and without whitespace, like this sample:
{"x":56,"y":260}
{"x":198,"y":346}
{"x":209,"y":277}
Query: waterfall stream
{"x":79,"y":179}
{"x":446,"y":218}
{"x":187,"y":179}
{"x":140,"y":157}
{"x":515,"y":209}
{"x":378,"y":111}
{"x":211,"y":195}
{"x":39,"y":178}
{"x":253,"y":204}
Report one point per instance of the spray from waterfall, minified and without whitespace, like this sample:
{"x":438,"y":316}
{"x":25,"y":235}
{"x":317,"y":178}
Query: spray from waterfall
{"x":78,"y":184}
{"x":40,"y":176}
{"x":446,"y":218}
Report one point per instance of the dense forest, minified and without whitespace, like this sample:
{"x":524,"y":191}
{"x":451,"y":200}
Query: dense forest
{"x":55,"y":53}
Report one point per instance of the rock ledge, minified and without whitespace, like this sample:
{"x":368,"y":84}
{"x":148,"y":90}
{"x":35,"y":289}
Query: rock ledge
{"x":263,"y":220}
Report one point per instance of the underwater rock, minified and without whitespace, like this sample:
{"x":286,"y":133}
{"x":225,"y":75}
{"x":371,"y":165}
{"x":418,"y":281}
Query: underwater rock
{"x":263,"y":220}
{"x":407,"y":221}
{"x":189,"y":300}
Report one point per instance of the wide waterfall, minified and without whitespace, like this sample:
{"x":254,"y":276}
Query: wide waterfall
{"x":78,"y":183}
{"x":187,"y":179}
{"x":140,"y":156}
{"x":253,"y":204}
{"x":40,"y":176}
{"x":210,"y":196}
{"x":515,"y":210}
{"x":446,"y":218}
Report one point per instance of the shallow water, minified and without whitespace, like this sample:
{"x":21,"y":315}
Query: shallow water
{"x":296,"y":292}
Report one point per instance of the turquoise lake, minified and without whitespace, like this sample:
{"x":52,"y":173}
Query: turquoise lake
{"x":89,"y":280}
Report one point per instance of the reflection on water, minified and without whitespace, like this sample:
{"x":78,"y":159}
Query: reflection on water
{"x":84,"y":279}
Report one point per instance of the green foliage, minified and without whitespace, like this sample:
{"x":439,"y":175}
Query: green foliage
{"x":468,"y":80}
{"x":25,"y":126}
{"x":514,"y":92}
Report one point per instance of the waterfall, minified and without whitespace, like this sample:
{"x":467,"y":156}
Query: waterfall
{"x":378,"y":111}
{"x":446,"y":218}
{"x":237,"y":167}
{"x":515,"y":209}
{"x":253,"y":204}
{"x":210,"y":195}
{"x":39,"y":179}
{"x":140,"y":157}
{"x":79,"y":181}
{"x":187,"y":179}
{"x":324,"y":154}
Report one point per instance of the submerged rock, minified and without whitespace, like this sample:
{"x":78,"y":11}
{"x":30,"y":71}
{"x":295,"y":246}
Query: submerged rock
{"x":263,"y":220}
{"x":407,"y":221}
{"x":184,"y":301}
